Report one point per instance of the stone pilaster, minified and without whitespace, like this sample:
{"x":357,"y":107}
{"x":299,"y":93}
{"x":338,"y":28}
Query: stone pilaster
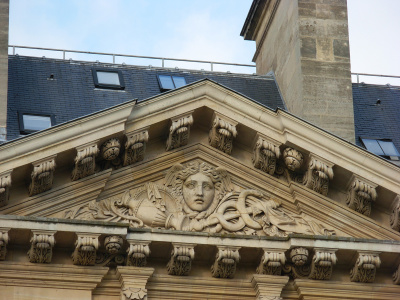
{"x":268,"y":287}
{"x":133,"y":282}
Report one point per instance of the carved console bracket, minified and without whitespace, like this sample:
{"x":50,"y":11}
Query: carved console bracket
{"x":111,"y":149}
{"x":361,"y":194}
{"x":85,"y":160}
{"x":395,"y":216}
{"x":268,"y":287}
{"x":42,"y":175}
{"x":318,"y":174}
{"x":137,"y":253}
{"x":322,"y":264}
{"x":365,"y":268}
{"x":113,"y":244}
{"x":181,"y":259}
{"x":293,"y":159}
{"x":42,"y":243}
{"x":179,"y":131}
{"x":222,"y":133}
{"x":396,"y":276}
{"x":265,"y":154}
{"x":86,"y":246}
{"x":3,"y":242}
{"x":225,"y":262}
{"x":135,"y":146}
{"x":299,"y":266}
{"x":272,"y":262}
{"x":133,"y":282}
{"x":5,"y":184}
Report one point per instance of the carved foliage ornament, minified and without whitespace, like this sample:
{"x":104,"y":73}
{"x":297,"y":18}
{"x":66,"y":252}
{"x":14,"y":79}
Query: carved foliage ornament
{"x":137,"y":253}
{"x":396,"y":276}
{"x":272,"y":262}
{"x":113,"y":244}
{"x":360,"y":195}
{"x":322,"y":264}
{"x":181,"y":259}
{"x":179,"y":131}
{"x":42,"y":176}
{"x":42,"y":243}
{"x":3,"y":242}
{"x":86,"y":246}
{"x":111,"y":149}
{"x":265,"y":155}
{"x":318,"y":175}
{"x":293,"y":159}
{"x":85,"y":161}
{"x":395,"y":216}
{"x":225,"y":262}
{"x":365,"y":268}
{"x":298,"y":268}
{"x":135,"y":146}
{"x":5,"y":184}
{"x":222,"y":133}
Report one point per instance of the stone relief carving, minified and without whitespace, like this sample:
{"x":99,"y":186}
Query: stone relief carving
{"x":85,"y":161}
{"x":42,"y":243}
{"x":5,"y":184}
{"x":322,"y":264}
{"x":133,"y":282}
{"x":265,"y":154}
{"x":272,"y":262}
{"x":137,"y":253}
{"x":42,"y":176}
{"x":365,"y":268}
{"x":299,"y":267}
{"x":110,"y":149}
{"x":222,"y":133}
{"x":135,"y":146}
{"x":86,"y":246}
{"x":3,"y":242}
{"x":113,"y":244}
{"x":396,"y":276}
{"x":179,"y":131}
{"x":361,"y":194}
{"x":395,"y":215}
{"x":181,"y":259}
{"x":318,"y":175}
{"x":225,"y":262}
{"x":293,"y":159}
{"x":199,"y":197}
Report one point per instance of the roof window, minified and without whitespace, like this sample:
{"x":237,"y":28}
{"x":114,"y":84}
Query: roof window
{"x":108,"y":79}
{"x":29,"y":123}
{"x":381,"y":147}
{"x":169,"y":82}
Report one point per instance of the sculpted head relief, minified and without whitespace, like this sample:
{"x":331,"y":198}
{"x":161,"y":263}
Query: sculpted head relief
{"x":198,"y":192}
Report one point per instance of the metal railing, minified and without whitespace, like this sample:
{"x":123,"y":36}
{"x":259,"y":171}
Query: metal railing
{"x":373,"y":75}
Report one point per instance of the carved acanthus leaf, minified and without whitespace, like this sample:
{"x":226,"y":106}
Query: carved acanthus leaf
{"x":86,"y":246}
{"x":113,"y":244}
{"x":85,"y":161}
{"x":137,"y":253}
{"x":135,"y":146}
{"x":181,"y":259}
{"x":133,"y":282}
{"x":365,"y":268}
{"x":179,"y":131}
{"x":5,"y":184}
{"x":272,"y":262}
{"x":222,"y":133}
{"x":265,"y":154}
{"x":42,"y":243}
{"x":361,"y":194}
{"x":322,"y":264}
{"x":3,"y":242}
{"x":395,"y":216}
{"x":225,"y":262}
{"x":132,"y":293}
{"x":318,"y":174}
{"x":42,"y":175}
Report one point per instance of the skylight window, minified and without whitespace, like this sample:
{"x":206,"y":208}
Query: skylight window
{"x":34,"y":122}
{"x":168,"y":82}
{"x":108,"y":79}
{"x":381,"y":147}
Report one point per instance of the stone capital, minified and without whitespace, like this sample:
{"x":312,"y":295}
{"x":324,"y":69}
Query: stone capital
{"x":268,"y":286}
{"x":133,"y":282}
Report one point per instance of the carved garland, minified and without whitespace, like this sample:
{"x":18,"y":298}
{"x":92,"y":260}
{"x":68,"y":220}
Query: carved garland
{"x":222,"y":133}
{"x":179,"y":131}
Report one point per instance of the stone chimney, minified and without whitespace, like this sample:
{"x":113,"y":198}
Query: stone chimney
{"x":4,"y":9}
{"x":306,"y":44}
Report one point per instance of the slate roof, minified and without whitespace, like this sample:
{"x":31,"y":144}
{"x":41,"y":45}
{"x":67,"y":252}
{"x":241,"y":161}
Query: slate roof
{"x":72,"y":94}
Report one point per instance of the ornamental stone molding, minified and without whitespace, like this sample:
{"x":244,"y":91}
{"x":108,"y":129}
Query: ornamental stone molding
{"x":85,"y":160}
{"x":180,"y":262}
{"x":42,"y":175}
{"x":322,"y":264}
{"x":42,"y":243}
{"x":179,"y":131}
{"x":3,"y":242}
{"x":298,"y":266}
{"x":318,"y":174}
{"x":268,"y":287}
{"x":222,"y":133}
{"x":272,"y":262}
{"x":293,"y":159}
{"x":113,"y":244}
{"x":135,"y":146}
{"x":396,"y":276}
{"x":137,"y":253}
{"x":225,"y":262}
{"x":365,"y":267}
{"x":360,"y":195}
{"x":5,"y":184}
{"x":86,"y":246}
{"x":133,"y":282}
{"x":265,"y":154}
{"x":110,"y":149}
{"x":395,"y":215}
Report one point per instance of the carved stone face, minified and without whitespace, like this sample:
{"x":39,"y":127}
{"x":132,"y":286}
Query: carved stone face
{"x":198,"y":192}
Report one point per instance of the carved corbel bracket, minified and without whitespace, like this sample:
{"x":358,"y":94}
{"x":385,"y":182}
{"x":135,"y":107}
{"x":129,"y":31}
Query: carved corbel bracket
{"x":269,"y":287}
{"x":299,"y":267}
{"x":5,"y":184}
{"x":322,"y":264}
{"x":222,"y":133}
{"x":365,"y":268}
{"x":111,"y":149}
{"x":272,"y":262}
{"x":42,"y":243}
{"x":137,"y":253}
{"x":179,"y":131}
{"x":133,"y":282}
{"x":42,"y":175}
{"x":395,"y":216}
{"x":396,"y":276}
{"x":318,"y":174}
{"x":85,"y":160}
{"x":3,"y":242}
{"x":86,"y":246}
{"x":135,"y":146}
{"x":181,"y":259}
{"x":265,"y":154}
{"x":293,"y":159}
{"x":360,"y":195}
{"x":113,"y":244}
{"x":225,"y":262}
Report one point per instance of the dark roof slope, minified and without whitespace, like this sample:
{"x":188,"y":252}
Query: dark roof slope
{"x":377,"y":112}
{"x":72,"y":94}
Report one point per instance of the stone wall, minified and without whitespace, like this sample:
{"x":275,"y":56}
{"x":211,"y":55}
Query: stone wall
{"x":4,"y":9}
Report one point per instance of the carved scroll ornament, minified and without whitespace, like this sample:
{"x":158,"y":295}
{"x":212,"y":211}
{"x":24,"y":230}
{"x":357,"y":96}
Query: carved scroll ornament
{"x":225,"y":262}
{"x":365,"y":268}
{"x":86,"y":246}
{"x":137,"y":253}
{"x":272,"y":262}
{"x":42,"y":243}
{"x":395,"y":216}
{"x":135,"y":146}
{"x":265,"y":154}
{"x":318,"y":175}
{"x":85,"y":161}
{"x":322,"y":264}
{"x":181,"y":259}
{"x":5,"y":184}
{"x":179,"y":131}
{"x":222,"y":133}
{"x":3,"y":242}
{"x":361,"y":194}
{"x":42,"y":176}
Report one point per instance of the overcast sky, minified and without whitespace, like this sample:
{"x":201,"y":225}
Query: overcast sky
{"x":195,"y":29}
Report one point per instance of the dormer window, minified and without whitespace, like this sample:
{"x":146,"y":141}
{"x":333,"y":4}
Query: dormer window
{"x":170,"y":82}
{"x":108,"y":79}
{"x":29,"y":123}
{"x":382,"y":147}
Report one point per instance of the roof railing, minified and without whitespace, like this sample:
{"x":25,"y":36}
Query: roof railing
{"x":374,"y":75}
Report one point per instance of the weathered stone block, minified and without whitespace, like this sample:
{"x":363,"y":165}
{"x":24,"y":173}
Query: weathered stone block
{"x":324,"y":48}
{"x":325,"y":11}
{"x":308,"y":47}
{"x":326,"y":69}
{"x":341,"y":48}
{"x":307,"y":9}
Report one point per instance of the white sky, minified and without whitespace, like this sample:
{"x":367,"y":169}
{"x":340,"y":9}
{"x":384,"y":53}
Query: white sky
{"x":195,"y":29}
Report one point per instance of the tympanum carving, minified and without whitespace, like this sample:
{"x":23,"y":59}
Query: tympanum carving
{"x":42,"y":176}
{"x":322,"y":264}
{"x":361,"y":194}
{"x":272,"y":262}
{"x":137,"y":253}
{"x":86,"y":246}
{"x":225,"y":262}
{"x":365,"y":268}
{"x":42,"y":243}
{"x":181,"y":259}
{"x":265,"y":154}
{"x":222,"y":133}
{"x":318,"y":174}
{"x":135,"y":146}
{"x":5,"y":184}
{"x":179,"y":131}
{"x":199,"y":197}
{"x":3,"y":242}
{"x":85,"y":161}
